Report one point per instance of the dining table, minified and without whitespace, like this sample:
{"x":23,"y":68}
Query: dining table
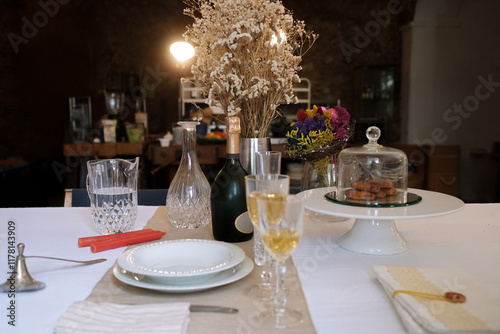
{"x":336,"y":289}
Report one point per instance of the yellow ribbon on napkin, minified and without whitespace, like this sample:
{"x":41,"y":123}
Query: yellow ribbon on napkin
{"x":478,"y":314}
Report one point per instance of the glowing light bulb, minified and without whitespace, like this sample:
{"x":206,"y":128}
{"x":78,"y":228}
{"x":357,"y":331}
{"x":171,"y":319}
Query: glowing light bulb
{"x":182,"y":51}
{"x":274,"y":38}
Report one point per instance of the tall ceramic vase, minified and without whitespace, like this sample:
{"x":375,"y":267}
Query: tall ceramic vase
{"x":248,"y":148}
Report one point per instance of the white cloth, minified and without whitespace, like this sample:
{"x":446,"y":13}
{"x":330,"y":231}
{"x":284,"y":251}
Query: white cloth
{"x":340,"y":286}
{"x":342,"y":290}
{"x":89,"y":317}
{"x":478,"y":314}
{"x":54,"y":232}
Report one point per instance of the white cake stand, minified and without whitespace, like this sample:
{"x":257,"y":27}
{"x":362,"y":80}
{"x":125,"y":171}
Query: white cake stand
{"x":374,"y":231}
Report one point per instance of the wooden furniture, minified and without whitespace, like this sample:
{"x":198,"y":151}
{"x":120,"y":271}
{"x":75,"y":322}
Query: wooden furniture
{"x":104,"y":150}
{"x":169,"y":157}
{"x":416,"y":165}
{"x":435,"y":168}
{"x":443,"y":170}
{"x":78,"y":154}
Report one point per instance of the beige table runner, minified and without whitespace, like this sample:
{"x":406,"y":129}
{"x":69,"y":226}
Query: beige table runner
{"x":110,"y":290}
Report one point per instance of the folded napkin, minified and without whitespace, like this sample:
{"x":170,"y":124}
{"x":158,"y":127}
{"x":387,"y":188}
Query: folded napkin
{"x":480,"y":312}
{"x":89,"y":317}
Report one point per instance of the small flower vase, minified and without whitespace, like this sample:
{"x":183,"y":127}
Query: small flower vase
{"x":320,"y":173}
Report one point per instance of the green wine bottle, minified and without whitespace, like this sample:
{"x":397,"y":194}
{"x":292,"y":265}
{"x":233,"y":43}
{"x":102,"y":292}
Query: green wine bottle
{"x":228,"y":198}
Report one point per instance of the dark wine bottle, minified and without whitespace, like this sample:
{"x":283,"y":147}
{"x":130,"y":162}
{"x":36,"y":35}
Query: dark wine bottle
{"x":228,"y":198}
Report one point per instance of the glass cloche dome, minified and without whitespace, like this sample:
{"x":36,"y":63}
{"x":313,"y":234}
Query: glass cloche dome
{"x":372,"y":174}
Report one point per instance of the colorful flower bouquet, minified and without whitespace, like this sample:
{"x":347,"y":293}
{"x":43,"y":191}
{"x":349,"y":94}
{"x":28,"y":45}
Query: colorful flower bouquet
{"x":318,"y":136}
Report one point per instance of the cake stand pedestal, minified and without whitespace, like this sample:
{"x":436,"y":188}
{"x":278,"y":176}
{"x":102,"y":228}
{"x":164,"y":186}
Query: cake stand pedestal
{"x":374,"y":230}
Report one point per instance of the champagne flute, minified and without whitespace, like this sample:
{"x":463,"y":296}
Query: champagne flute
{"x":268,"y":162}
{"x":274,"y":186}
{"x":280,"y":237}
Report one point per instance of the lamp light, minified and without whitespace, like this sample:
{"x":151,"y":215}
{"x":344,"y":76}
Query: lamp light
{"x":182,"y":51}
{"x":282,"y":38}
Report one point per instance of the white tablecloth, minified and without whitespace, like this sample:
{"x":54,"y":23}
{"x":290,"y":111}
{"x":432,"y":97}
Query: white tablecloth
{"x":340,"y":287}
{"x":53,"y":232}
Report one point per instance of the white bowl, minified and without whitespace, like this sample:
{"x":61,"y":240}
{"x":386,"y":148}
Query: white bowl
{"x":164,"y":142}
{"x":184,"y":261}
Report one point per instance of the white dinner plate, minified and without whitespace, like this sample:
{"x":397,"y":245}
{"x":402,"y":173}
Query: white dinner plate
{"x":182,"y":261}
{"x":219,"y":279}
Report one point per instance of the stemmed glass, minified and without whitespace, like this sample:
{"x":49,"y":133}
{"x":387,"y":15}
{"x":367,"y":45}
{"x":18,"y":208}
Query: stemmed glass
{"x":262,"y":290}
{"x":268,"y":165}
{"x":280,"y":237}
{"x":268,"y":162}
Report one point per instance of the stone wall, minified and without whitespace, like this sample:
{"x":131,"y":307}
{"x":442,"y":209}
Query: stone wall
{"x":53,"y":49}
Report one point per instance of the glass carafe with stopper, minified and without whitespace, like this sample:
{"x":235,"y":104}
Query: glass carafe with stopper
{"x":188,"y":198}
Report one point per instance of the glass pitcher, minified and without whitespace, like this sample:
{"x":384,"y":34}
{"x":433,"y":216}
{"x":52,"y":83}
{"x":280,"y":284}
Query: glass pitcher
{"x":188,"y":198}
{"x":112,"y":188}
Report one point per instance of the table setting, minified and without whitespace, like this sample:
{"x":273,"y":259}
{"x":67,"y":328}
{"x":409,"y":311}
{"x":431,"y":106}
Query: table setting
{"x":340,"y":287}
{"x":152,"y":276}
{"x":114,"y":287}
{"x":358,"y":252}
{"x":400,"y":259}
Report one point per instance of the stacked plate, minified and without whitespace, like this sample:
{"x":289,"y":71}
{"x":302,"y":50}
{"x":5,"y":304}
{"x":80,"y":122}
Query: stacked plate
{"x":182,"y":265}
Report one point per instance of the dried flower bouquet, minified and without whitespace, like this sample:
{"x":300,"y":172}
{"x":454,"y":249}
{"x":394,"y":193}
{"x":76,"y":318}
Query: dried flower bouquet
{"x":248,"y":56}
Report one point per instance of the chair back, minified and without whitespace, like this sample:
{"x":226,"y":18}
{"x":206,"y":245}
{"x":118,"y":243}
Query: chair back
{"x":147,"y":197}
